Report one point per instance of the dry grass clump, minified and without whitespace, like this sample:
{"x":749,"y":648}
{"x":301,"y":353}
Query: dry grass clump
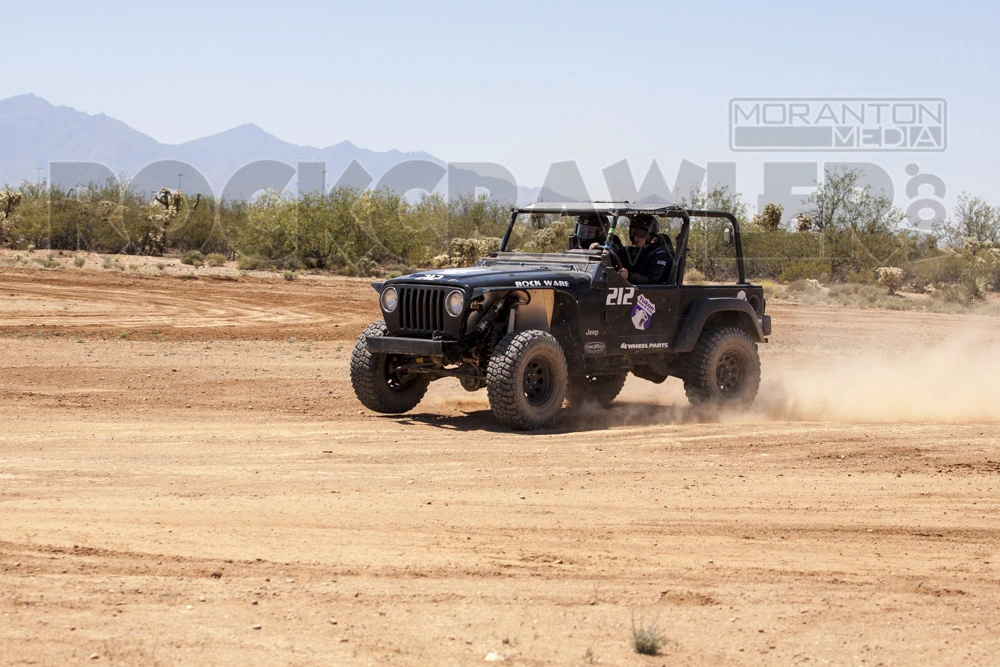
{"x":646,"y":639}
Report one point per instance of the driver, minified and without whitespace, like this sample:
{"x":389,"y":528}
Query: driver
{"x":648,"y":261}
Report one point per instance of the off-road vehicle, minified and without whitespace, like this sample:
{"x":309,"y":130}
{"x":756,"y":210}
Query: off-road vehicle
{"x":537,"y":328}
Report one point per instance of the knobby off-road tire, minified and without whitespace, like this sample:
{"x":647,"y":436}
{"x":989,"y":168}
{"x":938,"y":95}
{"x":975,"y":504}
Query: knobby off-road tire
{"x":723,"y":369}
{"x":600,"y":389}
{"x":377,"y":384}
{"x":526,"y":379}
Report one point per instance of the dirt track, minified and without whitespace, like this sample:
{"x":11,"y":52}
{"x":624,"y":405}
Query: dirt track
{"x":186,"y":477}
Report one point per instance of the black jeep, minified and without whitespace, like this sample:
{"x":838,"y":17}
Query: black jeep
{"x":537,"y":328}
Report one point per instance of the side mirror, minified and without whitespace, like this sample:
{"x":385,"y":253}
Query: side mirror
{"x":727,"y":237}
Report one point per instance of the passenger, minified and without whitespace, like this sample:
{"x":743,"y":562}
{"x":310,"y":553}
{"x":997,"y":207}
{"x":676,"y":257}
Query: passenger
{"x":648,"y":260}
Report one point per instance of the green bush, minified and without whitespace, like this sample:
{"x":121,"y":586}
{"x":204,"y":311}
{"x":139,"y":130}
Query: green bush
{"x":193,"y":258}
{"x":215,"y":259}
{"x":245,"y":263}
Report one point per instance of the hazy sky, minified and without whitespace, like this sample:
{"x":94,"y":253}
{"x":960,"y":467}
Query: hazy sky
{"x":522,"y":84}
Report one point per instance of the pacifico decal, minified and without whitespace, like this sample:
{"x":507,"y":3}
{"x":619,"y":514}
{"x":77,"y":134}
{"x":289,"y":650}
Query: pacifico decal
{"x":642,"y":313}
{"x":594,"y":347}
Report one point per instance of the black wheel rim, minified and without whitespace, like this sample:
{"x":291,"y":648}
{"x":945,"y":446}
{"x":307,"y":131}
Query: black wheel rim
{"x":729,"y":374}
{"x":537,"y":381}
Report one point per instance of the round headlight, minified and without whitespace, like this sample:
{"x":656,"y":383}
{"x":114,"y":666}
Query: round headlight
{"x":454,"y":303}
{"x":389,"y":299}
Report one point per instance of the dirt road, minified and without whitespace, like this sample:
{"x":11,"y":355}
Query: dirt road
{"x":187,"y":478}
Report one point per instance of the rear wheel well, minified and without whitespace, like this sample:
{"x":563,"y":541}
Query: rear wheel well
{"x":731,"y":318}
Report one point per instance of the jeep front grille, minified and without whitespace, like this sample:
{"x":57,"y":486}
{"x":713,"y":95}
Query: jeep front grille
{"x":421,"y":309}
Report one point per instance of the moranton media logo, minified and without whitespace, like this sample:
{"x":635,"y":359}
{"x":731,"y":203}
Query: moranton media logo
{"x":838,"y":124}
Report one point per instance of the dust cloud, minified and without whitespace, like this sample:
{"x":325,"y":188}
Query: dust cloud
{"x":953,"y":382}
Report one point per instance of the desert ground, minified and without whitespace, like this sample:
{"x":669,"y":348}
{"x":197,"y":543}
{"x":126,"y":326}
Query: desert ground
{"x":187,"y":478}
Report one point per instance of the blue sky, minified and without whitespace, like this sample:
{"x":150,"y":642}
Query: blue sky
{"x":518,"y":83}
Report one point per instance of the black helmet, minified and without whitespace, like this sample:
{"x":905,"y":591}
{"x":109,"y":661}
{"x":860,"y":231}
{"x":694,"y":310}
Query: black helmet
{"x":592,"y":228}
{"x":646,"y":223}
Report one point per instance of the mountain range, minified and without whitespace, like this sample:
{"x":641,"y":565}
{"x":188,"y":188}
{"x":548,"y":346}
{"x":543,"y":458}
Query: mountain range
{"x":35,"y":133}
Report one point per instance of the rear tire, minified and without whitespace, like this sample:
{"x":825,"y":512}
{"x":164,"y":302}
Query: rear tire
{"x":526,"y":379}
{"x":723,"y":369}
{"x":375,"y":378}
{"x":600,"y":389}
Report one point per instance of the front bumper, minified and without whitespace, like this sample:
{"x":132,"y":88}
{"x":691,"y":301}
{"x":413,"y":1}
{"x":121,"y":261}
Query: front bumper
{"x":418,"y":347}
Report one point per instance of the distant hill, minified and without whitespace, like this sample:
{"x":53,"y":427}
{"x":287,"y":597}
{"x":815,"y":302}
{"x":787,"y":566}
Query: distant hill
{"x":34,"y":133}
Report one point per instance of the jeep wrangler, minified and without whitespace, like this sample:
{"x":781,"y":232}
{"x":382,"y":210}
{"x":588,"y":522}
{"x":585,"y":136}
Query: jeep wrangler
{"x":536,"y":329}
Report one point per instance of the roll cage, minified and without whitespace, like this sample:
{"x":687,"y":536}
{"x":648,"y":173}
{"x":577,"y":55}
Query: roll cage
{"x":628,"y":209}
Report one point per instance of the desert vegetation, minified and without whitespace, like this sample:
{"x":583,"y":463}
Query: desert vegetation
{"x":845,"y":235}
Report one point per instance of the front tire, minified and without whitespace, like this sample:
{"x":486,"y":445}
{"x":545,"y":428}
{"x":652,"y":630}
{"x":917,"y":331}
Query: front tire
{"x":723,"y":369}
{"x":376,"y":379}
{"x":601,"y":389}
{"x":526,"y":379}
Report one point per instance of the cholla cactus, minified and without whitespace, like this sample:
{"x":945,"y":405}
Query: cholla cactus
{"x":805,"y":222}
{"x":814,"y":284}
{"x":171,"y":199}
{"x":769,"y":217}
{"x":462,"y":252}
{"x":8,"y":202}
{"x":9,"y":221}
{"x":890,"y":277}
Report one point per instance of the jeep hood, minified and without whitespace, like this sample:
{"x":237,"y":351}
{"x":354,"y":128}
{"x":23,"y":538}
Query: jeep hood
{"x":500,"y":276}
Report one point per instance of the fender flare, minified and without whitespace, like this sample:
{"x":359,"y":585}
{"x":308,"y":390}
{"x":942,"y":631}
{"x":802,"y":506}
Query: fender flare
{"x":701,"y":311}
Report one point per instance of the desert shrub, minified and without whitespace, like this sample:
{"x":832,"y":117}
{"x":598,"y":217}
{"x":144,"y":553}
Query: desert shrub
{"x":215,"y":259}
{"x":991,"y":267}
{"x":78,"y":262}
{"x":805,"y":286}
{"x":952,"y":293}
{"x":890,"y":277}
{"x":693,"y":276}
{"x":941,"y":268}
{"x":289,"y":275}
{"x":815,"y":268}
{"x":646,"y":639}
{"x":977,"y":286}
{"x":193,"y":258}
{"x":246,"y":263}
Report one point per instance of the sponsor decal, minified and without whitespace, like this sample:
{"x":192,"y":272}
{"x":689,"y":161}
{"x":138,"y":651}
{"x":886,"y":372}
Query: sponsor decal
{"x":430,"y":276}
{"x":642,"y":313}
{"x":594,"y":347}
{"x":645,"y":346}
{"x":742,"y":295}
{"x":592,"y":332}
{"x":541,"y":283}
{"x":620,"y":296}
